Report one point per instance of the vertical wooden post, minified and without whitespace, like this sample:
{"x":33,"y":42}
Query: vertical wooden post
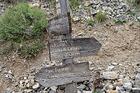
{"x":58,"y":8}
{"x":65,"y":8}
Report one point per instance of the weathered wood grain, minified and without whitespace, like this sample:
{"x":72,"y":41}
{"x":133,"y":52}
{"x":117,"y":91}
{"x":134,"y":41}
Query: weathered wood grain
{"x":72,"y":48}
{"x":64,"y":74}
{"x":59,"y":25}
{"x":65,"y":8}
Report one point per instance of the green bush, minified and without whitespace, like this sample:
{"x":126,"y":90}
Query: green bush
{"x":74,"y":4}
{"x":90,"y":22}
{"x":119,"y":21}
{"x":22,"y":23}
{"x":100,"y":17}
{"x":133,"y":2}
{"x":30,"y":49}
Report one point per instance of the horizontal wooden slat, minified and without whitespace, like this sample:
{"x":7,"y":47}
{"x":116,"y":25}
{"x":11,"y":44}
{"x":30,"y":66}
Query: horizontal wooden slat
{"x":70,"y":48}
{"x":59,"y":75}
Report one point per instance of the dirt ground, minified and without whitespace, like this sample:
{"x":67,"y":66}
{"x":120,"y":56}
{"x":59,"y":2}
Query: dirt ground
{"x":120,"y":44}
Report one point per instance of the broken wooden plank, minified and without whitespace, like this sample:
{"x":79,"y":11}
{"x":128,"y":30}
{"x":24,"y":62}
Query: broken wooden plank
{"x":77,"y":47}
{"x":60,"y":25}
{"x":64,"y":74}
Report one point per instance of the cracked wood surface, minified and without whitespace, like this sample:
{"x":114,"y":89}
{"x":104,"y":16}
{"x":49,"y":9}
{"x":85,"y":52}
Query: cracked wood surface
{"x":64,"y":74}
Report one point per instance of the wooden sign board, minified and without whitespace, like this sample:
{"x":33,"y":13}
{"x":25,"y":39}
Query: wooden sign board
{"x":64,"y":74}
{"x":60,"y":25}
{"x":71,"y":48}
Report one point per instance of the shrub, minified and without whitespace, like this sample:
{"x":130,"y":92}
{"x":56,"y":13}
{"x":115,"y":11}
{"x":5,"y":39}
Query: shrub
{"x":119,"y":21}
{"x":134,"y":2}
{"x":22,"y":23}
{"x":30,"y":49}
{"x":74,"y":3}
{"x":100,"y":17}
{"x":90,"y":22}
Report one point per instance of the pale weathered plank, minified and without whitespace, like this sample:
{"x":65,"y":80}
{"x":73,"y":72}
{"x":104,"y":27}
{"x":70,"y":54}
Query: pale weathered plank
{"x":59,"y":25}
{"x":71,"y":48}
{"x":65,"y":8}
{"x":59,"y":75}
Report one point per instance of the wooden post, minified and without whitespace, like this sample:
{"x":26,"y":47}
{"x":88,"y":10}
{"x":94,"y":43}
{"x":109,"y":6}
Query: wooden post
{"x":65,"y":8}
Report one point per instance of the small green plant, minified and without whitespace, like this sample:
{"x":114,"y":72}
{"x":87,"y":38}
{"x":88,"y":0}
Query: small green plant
{"x":100,"y":17}
{"x":74,"y":3}
{"x":132,"y":13}
{"x":90,"y":22}
{"x":134,"y":2}
{"x":30,"y":49}
{"x":22,"y":23}
{"x":96,"y":91}
{"x":119,"y":21}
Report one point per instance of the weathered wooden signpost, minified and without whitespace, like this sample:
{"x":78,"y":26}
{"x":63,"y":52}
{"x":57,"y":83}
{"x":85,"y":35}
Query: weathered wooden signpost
{"x":63,"y":48}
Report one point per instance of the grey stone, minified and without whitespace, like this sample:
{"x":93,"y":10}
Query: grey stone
{"x":8,"y":90}
{"x":87,"y":91}
{"x":137,"y":80}
{"x":137,"y":76}
{"x":78,"y":91}
{"x":136,"y":90}
{"x":110,"y":86}
{"x":127,"y":85}
{"x":27,"y":90}
{"x":51,"y":91}
{"x":111,"y":67}
{"x":120,"y":89}
{"x":9,"y":76}
{"x":110,"y":75}
{"x":76,"y":18}
{"x":21,"y":84}
{"x":110,"y":6}
{"x":1,"y":67}
{"x":138,"y":18}
{"x":36,"y":85}
{"x":54,"y":88}
{"x":114,"y":64}
{"x":81,"y":87}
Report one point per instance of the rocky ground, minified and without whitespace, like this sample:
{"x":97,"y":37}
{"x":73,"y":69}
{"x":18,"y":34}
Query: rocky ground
{"x":118,"y":61}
